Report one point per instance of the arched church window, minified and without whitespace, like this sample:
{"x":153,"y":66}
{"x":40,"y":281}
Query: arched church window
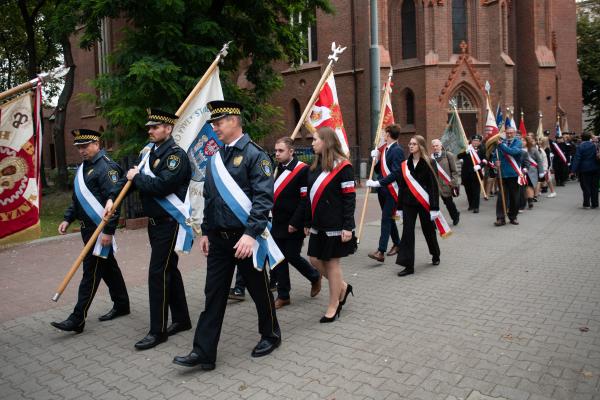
{"x":409,"y":99}
{"x":459,"y":24}
{"x":296,"y":111}
{"x":409,"y":29}
{"x":463,"y":102}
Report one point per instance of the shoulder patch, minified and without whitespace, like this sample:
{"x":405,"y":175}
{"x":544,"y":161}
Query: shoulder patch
{"x":173,"y":162}
{"x":265,"y":165}
{"x":113,"y":175}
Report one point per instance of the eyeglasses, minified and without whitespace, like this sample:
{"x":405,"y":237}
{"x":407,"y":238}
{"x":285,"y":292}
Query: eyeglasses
{"x":413,"y":144}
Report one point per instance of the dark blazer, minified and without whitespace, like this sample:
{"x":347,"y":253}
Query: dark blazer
{"x":467,"y":173}
{"x":393,"y":157}
{"x":290,"y":204}
{"x":335,"y":209}
{"x":585,"y":158}
{"x":426,"y":178}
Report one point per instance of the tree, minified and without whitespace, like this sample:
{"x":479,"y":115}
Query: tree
{"x":588,"y":49}
{"x":169,"y":44}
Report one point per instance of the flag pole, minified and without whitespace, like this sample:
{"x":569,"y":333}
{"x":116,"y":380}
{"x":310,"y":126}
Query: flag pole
{"x":501,"y":184}
{"x":462,"y":130}
{"x":44,"y":77}
{"x":384,"y":98}
{"x":92,"y":241}
{"x":336,"y":51}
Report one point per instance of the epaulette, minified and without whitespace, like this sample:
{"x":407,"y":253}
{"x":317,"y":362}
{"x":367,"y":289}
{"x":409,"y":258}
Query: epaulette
{"x":257,"y":146}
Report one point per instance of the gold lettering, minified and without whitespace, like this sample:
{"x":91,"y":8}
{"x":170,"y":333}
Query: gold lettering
{"x":16,"y":213}
{"x":5,"y":135}
{"x":28,"y":147}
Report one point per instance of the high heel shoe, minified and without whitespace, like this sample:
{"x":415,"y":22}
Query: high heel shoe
{"x":348,"y":291}
{"x":325,"y":319}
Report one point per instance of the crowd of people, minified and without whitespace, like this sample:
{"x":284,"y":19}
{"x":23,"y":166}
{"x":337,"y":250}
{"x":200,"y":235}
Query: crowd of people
{"x":256,"y":216}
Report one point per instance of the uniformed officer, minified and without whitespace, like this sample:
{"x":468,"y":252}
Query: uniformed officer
{"x":95,"y":178}
{"x":228,"y":242}
{"x":468,"y":173}
{"x":167,"y":171}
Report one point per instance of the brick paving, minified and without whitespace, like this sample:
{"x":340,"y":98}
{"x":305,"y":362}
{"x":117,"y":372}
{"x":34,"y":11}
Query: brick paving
{"x":511,"y":313}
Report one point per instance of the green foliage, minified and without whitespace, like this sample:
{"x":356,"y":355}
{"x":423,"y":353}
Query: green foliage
{"x":169,"y":44}
{"x":588,"y":49}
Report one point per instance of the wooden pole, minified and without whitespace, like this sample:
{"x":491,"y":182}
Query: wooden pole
{"x":501,"y":184}
{"x":91,"y":242}
{"x":44,"y":76}
{"x":462,"y":130}
{"x":384,"y":98}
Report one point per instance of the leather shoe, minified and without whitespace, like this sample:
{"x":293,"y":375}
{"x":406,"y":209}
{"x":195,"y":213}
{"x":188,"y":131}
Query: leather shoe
{"x":68,"y":326}
{"x":435,"y":261}
{"x":393,"y":251}
{"x":279,"y":302}
{"x":514,"y":222}
{"x":476,"y":211}
{"x":112,"y":314}
{"x":192,"y":360}
{"x":177,"y":327}
{"x":377,"y":256}
{"x":406,"y":271}
{"x":151,"y":340}
{"x":456,"y":220}
{"x":265,"y":346}
{"x":315,"y":287}
{"x":500,"y":222}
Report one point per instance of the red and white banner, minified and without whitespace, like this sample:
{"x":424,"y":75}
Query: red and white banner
{"x":558,"y":151}
{"x":20,"y":147}
{"x":285,"y":178}
{"x":423,"y":198}
{"x":491,"y":129}
{"x":321,"y":183}
{"x":522,"y":128}
{"x":327,"y":112}
{"x":388,"y":114}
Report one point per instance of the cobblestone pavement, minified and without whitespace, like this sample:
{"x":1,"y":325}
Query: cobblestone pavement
{"x":511,"y":313}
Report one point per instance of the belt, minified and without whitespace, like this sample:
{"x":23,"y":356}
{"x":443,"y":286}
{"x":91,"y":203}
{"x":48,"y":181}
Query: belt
{"x":229,"y":233}
{"x":160,"y":220}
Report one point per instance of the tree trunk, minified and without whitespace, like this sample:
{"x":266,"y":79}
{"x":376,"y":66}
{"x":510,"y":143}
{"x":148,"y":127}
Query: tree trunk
{"x":61,"y":115}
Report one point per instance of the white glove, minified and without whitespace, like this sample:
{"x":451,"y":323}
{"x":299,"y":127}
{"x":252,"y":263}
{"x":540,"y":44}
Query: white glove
{"x":399,"y":214}
{"x":373,"y":184}
{"x":541,"y":176}
{"x":434,"y":215}
{"x":375,"y":154}
{"x":484,"y":162}
{"x":525,"y":170}
{"x":477,"y":168}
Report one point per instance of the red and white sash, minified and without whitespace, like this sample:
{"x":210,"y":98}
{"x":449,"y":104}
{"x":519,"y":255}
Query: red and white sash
{"x":385,"y":171}
{"x":285,"y":178}
{"x":474,"y":156}
{"x":423,"y":198}
{"x":317,"y":189}
{"x":515,"y":166}
{"x":532,"y":163}
{"x":443,"y":175}
{"x":559,"y":152}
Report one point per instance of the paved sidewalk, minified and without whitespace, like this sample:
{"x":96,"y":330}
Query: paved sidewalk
{"x":511,"y":312}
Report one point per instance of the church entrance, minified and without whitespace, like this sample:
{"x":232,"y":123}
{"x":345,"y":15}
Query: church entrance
{"x":468,"y":113}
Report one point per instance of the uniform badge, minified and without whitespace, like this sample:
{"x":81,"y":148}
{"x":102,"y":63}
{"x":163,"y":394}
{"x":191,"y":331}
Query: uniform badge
{"x":173,"y":162}
{"x":237,"y":161}
{"x":90,"y":172}
{"x":156,"y":163}
{"x":265,"y":165}
{"x":113,"y":175}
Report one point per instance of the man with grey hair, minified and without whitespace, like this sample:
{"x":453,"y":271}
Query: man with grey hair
{"x":447,"y":177}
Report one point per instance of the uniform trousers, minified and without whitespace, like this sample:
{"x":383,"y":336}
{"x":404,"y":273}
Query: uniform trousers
{"x":291,"y":247}
{"x":449,"y":203}
{"x":473,"y":191}
{"x":561,"y":172}
{"x":221,"y":263}
{"x":406,"y":253}
{"x":165,"y":286}
{"x":511,"y":195}
{"x":96,"y":269}
{"x":388,"y":223}
{"x":589,"y":186}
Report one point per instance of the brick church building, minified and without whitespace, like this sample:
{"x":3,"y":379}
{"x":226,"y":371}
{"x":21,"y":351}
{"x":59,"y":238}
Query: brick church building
{"x":438,"y":50}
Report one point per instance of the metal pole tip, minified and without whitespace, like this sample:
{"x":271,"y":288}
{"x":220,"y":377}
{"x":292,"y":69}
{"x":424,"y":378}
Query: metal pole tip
{"x":56,"y":297}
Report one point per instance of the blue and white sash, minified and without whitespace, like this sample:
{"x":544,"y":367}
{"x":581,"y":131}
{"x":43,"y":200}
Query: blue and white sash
{"x":265,"y":248}
{"x":94,"y":210}
{"x":177,"y":209}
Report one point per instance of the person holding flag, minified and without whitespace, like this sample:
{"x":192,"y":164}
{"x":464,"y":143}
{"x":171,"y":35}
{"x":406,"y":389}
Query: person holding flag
{"x":238,"y":195}
{"x":389,"y":157}
{"x":473,"y":160}
{"x":162,"y":174}
{"x":95,"y":179}
{"x":506,"y":157}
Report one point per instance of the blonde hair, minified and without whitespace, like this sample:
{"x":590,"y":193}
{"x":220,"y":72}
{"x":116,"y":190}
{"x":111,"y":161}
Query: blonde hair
{"x":544,"y":144}
{"x":331,"y":152}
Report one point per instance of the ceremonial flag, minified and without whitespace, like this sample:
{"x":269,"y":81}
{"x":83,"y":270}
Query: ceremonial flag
{"x":193,"y":134}
{"x":558,"y":131}
{"x":540,"y":129}
{"x":522,"y":127}
{"x":20,"y":139}
{"x":388,"y":114}
{"x":453,"y":138}
{"x":565,"y":127}
{"x":326,"y":112}
{"x":499,"y":116}
{"x":491,"y":127}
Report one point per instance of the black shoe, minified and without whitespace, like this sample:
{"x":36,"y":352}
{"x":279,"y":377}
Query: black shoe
{"x":177,"y":327}
{"x":406,"y":271}
{"x":272,"y":286}
{"x":435,"y":261}
{"x":192,"y":360}
{"x":514,"y":222}
{"x":324,"y":319}
{"x":236,"y":294}
{"x":476,"y":211}
{"x":112,"y":314}
{"x":265,"y":346}
{"x":69,"y":326}
{"x":500,"y":222}
{"x":456,"y":220}
{"x":151,"y":340}
{"x":349,"y":290}
{"x":470,"y":209}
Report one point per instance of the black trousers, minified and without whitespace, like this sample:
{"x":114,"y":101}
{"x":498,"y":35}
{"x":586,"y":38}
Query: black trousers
{"x":406,"y":254}
{"x":165,"y":286}
{"x":561,"y":172}
{"x":511,"y":195}
{"x":473,"y":191}
{"x":291,"y":247}
{"x":96,"y":269}
{"x":388,"y":223}
{"x":221,"y":263}
{"x":449,"y":202}
{"x":589,"y":186}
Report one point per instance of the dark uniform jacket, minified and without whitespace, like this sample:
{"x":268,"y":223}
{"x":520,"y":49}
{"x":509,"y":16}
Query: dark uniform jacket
{"x":173,"y":172}
{"x":291,"y":202}
{"x":426,"y":178}
{"x":393,"y":157}
{"x":335,"y":209}
{"x":467,"y":173}
{"x":100,"y":175}
{"x":585,"y":158}
{"x":251,"y":168}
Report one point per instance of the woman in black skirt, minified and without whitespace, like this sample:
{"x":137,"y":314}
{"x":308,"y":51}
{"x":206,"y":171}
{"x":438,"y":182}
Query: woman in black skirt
{"x":421,"y":169}
{"x":330,"y":216}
